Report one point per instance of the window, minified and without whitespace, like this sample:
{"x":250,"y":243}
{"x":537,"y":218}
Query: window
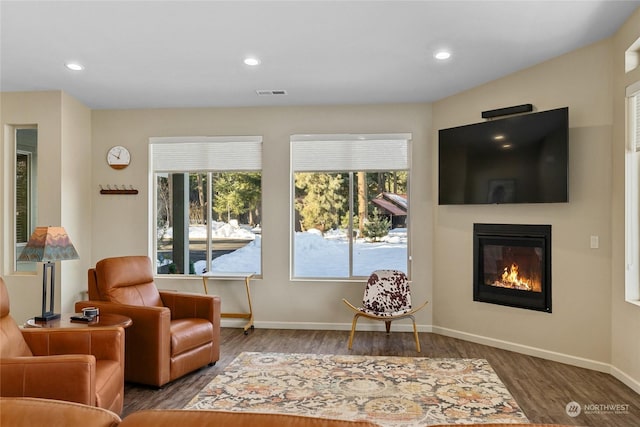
{"x":207,"y":205}
{"x":26,"y":142}
{"x":350,"y":205}
{"x":632,"y":223}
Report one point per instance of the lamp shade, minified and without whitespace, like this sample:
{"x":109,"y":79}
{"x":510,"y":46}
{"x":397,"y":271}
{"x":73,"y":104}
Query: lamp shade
{"x":48,"y":244}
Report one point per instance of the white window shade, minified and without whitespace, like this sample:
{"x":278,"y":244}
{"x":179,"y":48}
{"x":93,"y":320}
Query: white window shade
{"x":327,"y":153}
{"x":206,"y":154}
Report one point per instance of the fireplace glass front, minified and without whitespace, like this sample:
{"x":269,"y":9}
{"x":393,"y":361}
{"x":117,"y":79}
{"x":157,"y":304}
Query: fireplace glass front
{"x":512,"y":265}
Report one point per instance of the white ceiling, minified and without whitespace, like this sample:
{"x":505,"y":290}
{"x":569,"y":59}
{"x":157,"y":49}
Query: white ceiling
{"x":148,"y":54}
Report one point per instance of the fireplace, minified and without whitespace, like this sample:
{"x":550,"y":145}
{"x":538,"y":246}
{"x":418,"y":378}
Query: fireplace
{"x":512,"y":265}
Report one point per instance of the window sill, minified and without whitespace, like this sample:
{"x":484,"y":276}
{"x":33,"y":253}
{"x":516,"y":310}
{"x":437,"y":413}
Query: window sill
{"x":634,"y":302}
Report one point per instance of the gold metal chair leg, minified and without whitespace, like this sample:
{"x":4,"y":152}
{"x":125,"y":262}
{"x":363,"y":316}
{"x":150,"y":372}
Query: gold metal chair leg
{"x":353,"y":329}
{"x":415,"y":334}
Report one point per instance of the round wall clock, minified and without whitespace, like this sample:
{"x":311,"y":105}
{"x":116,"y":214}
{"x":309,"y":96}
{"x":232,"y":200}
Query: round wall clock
{"x":118,"y":157}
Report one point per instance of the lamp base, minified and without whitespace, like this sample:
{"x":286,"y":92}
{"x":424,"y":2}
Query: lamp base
{"x":47,"y":317}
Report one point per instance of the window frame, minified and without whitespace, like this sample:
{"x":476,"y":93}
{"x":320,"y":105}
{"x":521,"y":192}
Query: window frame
{"x":30,"y":149}
{"x":351,"y":172}
{"x":215,"y":159}
{"x":632,"y":195}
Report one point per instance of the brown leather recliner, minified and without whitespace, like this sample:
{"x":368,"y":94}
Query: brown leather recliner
{"x":32,"y":412}
{"x":207,"y":418}
{"x":172,"y":333}
{"x":83,"y":365}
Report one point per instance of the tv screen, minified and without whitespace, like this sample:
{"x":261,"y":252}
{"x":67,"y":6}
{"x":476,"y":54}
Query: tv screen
{"x":519,"y":159}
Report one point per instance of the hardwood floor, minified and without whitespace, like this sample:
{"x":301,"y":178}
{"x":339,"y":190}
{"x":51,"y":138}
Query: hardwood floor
{"x":542,"y":388}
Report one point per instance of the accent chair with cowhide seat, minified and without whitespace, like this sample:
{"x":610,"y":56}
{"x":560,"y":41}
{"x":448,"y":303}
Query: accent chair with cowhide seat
{"x":172,"y":333}
{"x":387,"y":297}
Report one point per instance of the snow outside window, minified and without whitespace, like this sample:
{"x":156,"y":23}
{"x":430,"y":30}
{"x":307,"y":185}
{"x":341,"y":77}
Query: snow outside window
{"x":350,"y":205}
{"x":207,"y":207}
{"x":632,"y":183}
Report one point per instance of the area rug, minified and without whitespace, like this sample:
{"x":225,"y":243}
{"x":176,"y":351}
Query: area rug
{"x":390,"y":391}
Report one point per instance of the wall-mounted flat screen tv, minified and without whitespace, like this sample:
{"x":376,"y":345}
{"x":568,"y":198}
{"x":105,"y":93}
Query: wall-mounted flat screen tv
{"x":518,"y":159}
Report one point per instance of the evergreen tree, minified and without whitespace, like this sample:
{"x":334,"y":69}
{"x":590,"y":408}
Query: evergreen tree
{"x":320,"y":202}
{"x":376,"y":227}
{"x":237,"y":194}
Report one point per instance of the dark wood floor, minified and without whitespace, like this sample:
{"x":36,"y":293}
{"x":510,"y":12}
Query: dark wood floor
{"x":541,"y":388}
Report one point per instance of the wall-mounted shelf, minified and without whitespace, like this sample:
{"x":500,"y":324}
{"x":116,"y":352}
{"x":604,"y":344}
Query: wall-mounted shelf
{"x":118,"y":190}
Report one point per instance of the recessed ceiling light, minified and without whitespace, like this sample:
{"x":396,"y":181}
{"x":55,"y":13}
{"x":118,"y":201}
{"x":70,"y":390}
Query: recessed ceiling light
{"x":442,"y":55}
{"x":252,"y":61}
{"x":74,"y":66}
{"x":499,"y":137}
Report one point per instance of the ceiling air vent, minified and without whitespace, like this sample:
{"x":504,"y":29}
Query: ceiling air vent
{"x":271,"y":92}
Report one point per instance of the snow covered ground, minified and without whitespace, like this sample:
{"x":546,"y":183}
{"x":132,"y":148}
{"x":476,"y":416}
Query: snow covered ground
{"x":315,"y":255}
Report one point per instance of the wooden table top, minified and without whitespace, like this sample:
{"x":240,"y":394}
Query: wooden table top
{"x":103,"y":320}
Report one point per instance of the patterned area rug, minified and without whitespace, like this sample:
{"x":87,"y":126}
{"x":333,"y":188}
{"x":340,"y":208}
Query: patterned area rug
{"x":390,"y":391}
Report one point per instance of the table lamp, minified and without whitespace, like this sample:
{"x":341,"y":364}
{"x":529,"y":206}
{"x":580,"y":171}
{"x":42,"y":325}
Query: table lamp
{"x":48,"y":245}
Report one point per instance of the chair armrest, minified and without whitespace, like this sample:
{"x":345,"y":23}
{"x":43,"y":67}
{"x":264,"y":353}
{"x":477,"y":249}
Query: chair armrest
{"x":25,"y":412}
{"x":189,"y":306}
{"x":70,"y":377}
{"x":184,"y":306}
{"x":151,"y":319}
{"x":103,"y":343}
{"x":351,"y":306}
{"x":149,"y":334}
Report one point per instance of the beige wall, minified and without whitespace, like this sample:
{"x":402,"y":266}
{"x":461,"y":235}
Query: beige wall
{"x":63,"y":147}
{"x":76,"y":197}
{"x":625,"y":317}
{"x":120,"y":223}
{"x":580,"y":325}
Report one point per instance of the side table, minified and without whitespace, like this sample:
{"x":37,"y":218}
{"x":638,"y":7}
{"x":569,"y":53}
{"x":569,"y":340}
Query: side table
{"x":65,"y":322}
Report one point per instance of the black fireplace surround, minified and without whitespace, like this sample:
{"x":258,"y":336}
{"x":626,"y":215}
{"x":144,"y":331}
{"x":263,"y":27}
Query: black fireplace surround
{"x":512,"y":265}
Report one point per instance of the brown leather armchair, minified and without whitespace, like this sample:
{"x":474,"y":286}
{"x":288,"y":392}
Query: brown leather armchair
{"x":172,"y":333}
{"x":206,"y":418}
{"x":32,"y":412}
{"x":81,"y":365}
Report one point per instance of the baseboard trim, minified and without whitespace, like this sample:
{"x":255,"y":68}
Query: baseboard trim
{"x":580,"y":362}
{"x":525,"y":349}
{"x":363,"y":325}
{"x":626,"y":379}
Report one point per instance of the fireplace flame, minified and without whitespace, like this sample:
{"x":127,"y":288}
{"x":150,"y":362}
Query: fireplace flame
{"x":511,"y":279}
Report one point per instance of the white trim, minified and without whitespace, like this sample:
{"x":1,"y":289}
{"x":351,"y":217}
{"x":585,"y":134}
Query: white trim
{"x":632,"y":288}
{"x":580,"y":362}
{"x":632,"y":89}
{"x":352,"y":137}
{"x":633,"y":117}
{"x":632,"y":57}
{"x":525,"y":349}
{"x":191,"y":139}
{"x":625,"y":378}
{"x":632,"y":194}
{"x":634,"y":302}
{"x":363,"y":325}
